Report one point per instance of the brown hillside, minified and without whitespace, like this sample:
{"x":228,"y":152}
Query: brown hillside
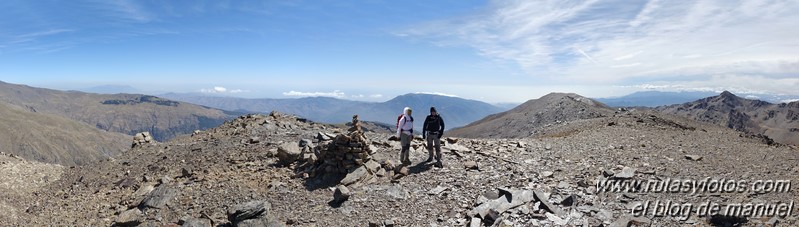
{"x":55,"y":139}
{"x":530,"y":117}
{"x":124,"y":113}
{"x":779,"y":122}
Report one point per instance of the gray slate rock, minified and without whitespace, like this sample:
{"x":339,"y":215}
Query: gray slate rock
{"x":249,"y":210}
{"x":130,"y":217}
{"x":539,"y":195}
{"x":159,"y":197}
{"x":693,"y":157}
{"x":341,"y":194}
{"x":626,"y":173}
{"x":355,"y":176}
{"x":508,"y":199}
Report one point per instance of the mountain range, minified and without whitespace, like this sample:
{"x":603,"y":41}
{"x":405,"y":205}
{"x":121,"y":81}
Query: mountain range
{"x":456,"y":111}
{"x":663,"y":98}
{"x":779,"y":122}
{"x":122,"y":113}
{"x":532,"y":116}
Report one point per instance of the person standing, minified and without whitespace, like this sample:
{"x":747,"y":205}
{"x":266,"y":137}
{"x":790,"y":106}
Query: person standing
{"x":433,"y":129}
{"x":405,"y":133}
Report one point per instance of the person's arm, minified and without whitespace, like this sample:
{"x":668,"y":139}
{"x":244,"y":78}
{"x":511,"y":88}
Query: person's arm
{"x":441,"y":132}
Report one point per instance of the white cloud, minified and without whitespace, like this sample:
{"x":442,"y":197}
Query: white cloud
{"x":789,"y":100}
{"x":611,"y":42}
{"x":436,"y":93}
{"x":333,"y":94}
{"x":219,"y":90}
{"x":375,"y":96}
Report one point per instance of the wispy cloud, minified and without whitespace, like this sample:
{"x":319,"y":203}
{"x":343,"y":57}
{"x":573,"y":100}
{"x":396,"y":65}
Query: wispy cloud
{"x":220,"y":90}
{"x":436,"y":93}
{"x":333,"y":94}
{"x":611,"y":42}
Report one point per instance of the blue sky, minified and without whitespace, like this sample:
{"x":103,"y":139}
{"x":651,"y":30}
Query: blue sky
{"x":495,"y":51}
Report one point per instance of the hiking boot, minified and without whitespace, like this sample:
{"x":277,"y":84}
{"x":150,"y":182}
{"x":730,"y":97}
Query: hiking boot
{"x":439,"y":164}
{"x":430,"y":159}
{"x":406,"y":162}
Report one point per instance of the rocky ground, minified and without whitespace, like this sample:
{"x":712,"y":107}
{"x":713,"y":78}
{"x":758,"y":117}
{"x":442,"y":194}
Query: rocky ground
{"x":239,"y":173}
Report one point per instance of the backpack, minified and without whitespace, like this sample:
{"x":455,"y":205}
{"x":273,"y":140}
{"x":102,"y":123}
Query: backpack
{"x":433,"y":123}
{"x":400,"y":118}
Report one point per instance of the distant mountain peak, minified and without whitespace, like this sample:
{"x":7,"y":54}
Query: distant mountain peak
{"x":727,"y":94}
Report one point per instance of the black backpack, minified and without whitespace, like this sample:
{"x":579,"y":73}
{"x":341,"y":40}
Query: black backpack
{"x":433,"y":123}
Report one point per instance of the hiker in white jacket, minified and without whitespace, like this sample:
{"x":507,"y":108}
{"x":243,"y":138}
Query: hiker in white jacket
{"x":405,"y":133}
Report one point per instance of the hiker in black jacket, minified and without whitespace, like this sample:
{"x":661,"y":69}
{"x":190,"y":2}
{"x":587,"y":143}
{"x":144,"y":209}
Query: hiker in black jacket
{"x":432,"y":130}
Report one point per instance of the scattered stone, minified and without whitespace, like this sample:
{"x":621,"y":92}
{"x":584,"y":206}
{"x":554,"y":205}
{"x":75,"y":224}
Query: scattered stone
{"x":476,"y":222}
{"x":196,"y":222}
{"x":355,"y":176}
{"x":508,"y":199}
{"x":341,"y":194}
{"x":288,"y":152}
{"x":186,"y":172}
{"x":608,"y":173}
{"x":541,"y":197}
{"x":437,"y":190}
{"x":249,"y":210}
{"x":471,"y":165}
{"x":456,"y":147}
{"x":631,"y":221}
{"x":321,"y":136}
{"x":570,"y":200}
{"x":130,"y":217}
{"x":693,"y":157}
{"x":159,"y":197}
{"x":372,"y":166}
{"x":451,"y":140}
{"x":547,"y":174}
{"x":388,"y":223}
{"x":547,"y":147}
{"x":626,"y":173}
{"x":254,"y":140}
{"x":404,"y":171}
{"x":396,"y":192}
{"x":556,"y":220}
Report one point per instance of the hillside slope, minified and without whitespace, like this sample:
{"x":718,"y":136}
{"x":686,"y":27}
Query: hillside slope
{"x":777,"y":121}
{"x":123,"y":113}
{"x":54,"y":139}
{"x":530,"y":117}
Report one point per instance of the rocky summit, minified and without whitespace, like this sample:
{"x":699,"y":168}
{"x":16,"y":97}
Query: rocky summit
{"x":280,"y":170}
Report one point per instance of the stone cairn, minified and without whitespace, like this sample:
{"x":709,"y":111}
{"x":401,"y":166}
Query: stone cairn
{"x":346,"y":152}
{"x":142,"y":138}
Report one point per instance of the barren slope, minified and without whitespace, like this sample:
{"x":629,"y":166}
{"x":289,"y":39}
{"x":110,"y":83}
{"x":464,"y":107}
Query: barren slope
{"x":55,"y":139}
{"x":123,"y":113}
{"x":777,"y":121}
{"x":530,"y":117}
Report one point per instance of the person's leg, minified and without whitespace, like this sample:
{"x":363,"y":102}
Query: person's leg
{"x":405,"y":143}
{"x":406,"y":147}
{"x":437,"y":144}
{"x":430,"y":140}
